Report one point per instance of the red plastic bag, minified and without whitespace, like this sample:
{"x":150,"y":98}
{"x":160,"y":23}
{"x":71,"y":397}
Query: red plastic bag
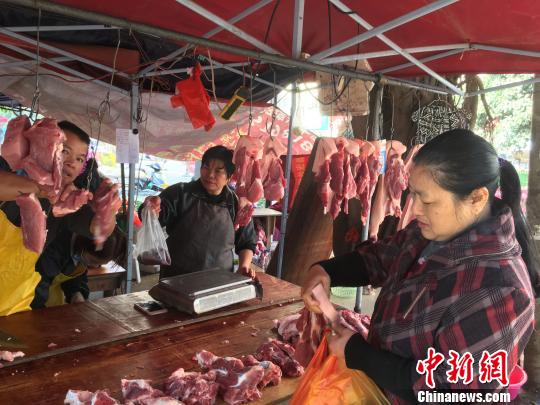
{"x":327,"y":381}
{"x":191,"y":94}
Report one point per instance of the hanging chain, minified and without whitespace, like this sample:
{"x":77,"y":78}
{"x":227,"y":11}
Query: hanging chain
{"x":34,"y":109}
{"x":274,"y":115}
{"x":104,"y":109}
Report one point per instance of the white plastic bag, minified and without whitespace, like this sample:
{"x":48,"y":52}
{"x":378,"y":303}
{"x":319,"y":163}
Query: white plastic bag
{"x":151,"y":241}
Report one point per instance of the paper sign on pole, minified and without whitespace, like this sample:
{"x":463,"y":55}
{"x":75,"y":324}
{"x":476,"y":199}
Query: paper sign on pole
{"x":127,"y":146}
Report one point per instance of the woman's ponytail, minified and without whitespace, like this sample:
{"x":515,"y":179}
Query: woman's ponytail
{"x":510,"y":187}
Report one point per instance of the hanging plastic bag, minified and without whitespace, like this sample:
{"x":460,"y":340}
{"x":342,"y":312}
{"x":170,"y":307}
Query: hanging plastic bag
{"x":327,"y":381}
{"x":191,"y":94}
{"x":151,"y":241}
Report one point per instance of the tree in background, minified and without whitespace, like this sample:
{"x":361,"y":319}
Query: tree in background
{"x":511,"y":111}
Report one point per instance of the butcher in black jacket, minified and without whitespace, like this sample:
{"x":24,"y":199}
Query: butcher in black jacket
{"x":199,"y":218}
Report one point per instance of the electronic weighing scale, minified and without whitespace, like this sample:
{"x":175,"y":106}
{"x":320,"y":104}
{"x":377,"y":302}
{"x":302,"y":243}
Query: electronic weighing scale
{"x":205,"y":291}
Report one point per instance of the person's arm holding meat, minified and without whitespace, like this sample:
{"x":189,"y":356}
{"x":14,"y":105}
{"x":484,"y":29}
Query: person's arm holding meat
{"x":13,"y":185}
{"x":368,"y":264}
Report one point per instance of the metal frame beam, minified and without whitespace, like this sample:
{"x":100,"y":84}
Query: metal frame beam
{"x":49,"y":28}
{"x":185,"y":70}
{"x":239,"y":72}
{"x":209,"y":34}
{"x":382,"y":54}
{"x":503,"y":87}
{"x":374,"y":32}
{"x":30,"y":62}
{"x":424,"y":60}
{"x":226,"y":25}
{"x":182,"y":37}
{"x":396,"y":48}
{"x":66,"y":69}
{"x":60,"y":51}
{"x":500,"y":49}
{"x":298,"y":28}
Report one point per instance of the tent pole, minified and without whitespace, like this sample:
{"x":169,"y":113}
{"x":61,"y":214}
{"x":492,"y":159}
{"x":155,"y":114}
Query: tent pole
{"x":284,"y":210}
{"x":236,"y":50}
{"x":131,"y":203}
{"x":375,"y":31}
{"x":383,"y":54}
{"x":209,"y":34}
{"x":423,"y":60}
{"x":233,"y":29}
{"x":343,"y":7}
{"x":375,"y":135}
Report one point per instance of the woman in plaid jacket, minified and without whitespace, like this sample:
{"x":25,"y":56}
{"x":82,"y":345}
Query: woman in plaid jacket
{"x":461,"y":277}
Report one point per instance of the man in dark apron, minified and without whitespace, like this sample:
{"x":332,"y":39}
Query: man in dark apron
{"x":199,"y":219}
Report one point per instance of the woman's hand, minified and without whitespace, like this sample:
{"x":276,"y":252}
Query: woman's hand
{"x":315,"y":275}
{"x":338,"y":339}
{"x":154,"y":203}
{"x":246,"y":271}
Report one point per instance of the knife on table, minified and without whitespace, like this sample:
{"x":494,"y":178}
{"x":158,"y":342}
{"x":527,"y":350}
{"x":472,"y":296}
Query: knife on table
{"x":7,"y":340}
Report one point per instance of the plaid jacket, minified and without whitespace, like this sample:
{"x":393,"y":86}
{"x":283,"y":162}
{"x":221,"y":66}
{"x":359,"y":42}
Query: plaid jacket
{"x":471,"y":295}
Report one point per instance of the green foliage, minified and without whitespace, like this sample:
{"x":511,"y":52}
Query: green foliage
{"x":513,"y":108}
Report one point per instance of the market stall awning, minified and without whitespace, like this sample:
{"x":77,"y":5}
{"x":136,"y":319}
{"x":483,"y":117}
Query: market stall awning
{"x":164,"y":131}
{"x":398,"y":38}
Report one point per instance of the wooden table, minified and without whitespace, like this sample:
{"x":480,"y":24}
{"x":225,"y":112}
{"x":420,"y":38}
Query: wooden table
{"x":115,"y":342}
{"x":268,"y":216}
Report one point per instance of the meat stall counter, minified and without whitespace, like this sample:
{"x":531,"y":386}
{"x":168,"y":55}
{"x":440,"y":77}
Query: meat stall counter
{"x":94,"y":345}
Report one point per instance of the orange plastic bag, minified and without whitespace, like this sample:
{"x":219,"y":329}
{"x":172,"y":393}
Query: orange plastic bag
{"x":329,"y":382}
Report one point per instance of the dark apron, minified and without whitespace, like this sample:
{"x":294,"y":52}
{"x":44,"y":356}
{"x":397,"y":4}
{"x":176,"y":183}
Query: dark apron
{"x":203,"y":239}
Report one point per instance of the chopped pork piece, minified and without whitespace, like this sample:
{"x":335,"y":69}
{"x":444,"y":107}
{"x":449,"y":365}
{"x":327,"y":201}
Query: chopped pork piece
{"x":6,"y":355}
{"x":272,"y":372}
{"x":16,"y":147}
{"x":209,"y":361}
{"x":288,"y":329}
{"x":161,"y":401}
{"x":33,"y":222}
{"x":135,"y":391}
{"x":76,"y":397}
{"x":355,"y":321}
{"x":239,"y":387}
{"x":282,"y":355}
{"x":192,"y":388}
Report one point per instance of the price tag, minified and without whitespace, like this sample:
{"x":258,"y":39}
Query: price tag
{"x":127,"y":146}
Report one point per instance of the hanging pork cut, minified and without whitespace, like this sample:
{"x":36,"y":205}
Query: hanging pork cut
{"x":363,"y":179}
{"x":274,"y":186}
{"x":71,"y":200}
{"x":33,"y":222}
{"x":273,"y":150}
{"x":105,"y":204}
{"x":407,"y":215}
{"x":44,"y":161}
{"x":255,"y":191}
{"x":391,"y":185}
{"x":244,"y":214}
{"x":16,"y":147}
{"x":323,"y":185}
